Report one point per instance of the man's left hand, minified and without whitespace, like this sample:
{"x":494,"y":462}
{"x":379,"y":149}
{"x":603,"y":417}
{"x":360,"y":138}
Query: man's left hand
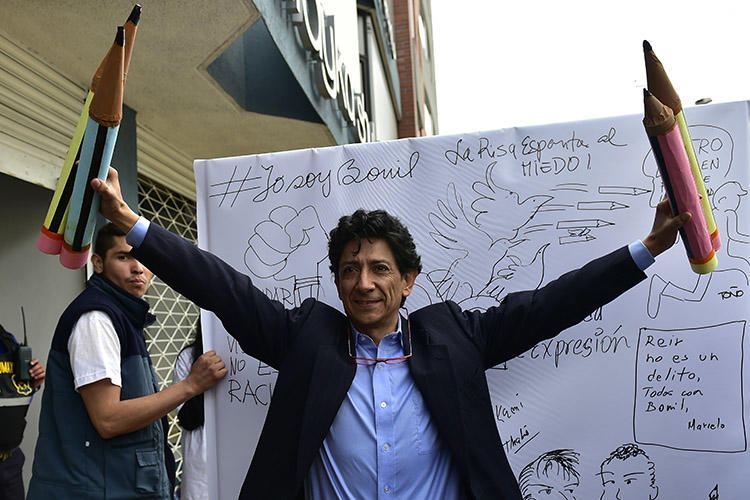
{"x":37,"y":372}
{"x":664,"y":232}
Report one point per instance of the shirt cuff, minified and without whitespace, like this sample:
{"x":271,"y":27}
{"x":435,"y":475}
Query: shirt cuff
{"x":138,"y":232}
{"x":641,"y":256}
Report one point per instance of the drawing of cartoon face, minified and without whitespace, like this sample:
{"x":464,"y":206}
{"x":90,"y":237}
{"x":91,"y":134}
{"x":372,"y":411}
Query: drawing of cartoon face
{"x":552,"y":475}
{"x":629,"y":479}
{"x":552,"y":487}
{"x":728,"y":196}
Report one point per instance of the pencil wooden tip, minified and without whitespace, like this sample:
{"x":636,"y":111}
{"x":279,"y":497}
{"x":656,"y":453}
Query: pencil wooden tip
{"x":135,"y":15}
{"x":120,"y":37}
{"x":646,"y":46}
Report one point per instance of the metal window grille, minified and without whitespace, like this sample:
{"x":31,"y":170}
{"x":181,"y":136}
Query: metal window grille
{"x":176,"y":316}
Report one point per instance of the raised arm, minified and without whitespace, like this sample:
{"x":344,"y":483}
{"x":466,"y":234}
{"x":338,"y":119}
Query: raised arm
{"x":260,"y":325}
{"x":525,"y":318}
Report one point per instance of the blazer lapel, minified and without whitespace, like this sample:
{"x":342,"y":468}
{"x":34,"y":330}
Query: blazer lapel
{"x":433,"y":373}
{"x":331,"y":377}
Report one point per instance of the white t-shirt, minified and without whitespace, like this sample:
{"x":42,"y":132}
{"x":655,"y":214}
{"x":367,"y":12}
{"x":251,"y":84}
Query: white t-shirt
{"x":194,"y":485}
{"x":94,"y":350}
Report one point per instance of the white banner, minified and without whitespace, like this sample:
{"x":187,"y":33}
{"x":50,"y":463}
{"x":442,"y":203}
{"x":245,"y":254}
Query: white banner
{"x":660,"y":368}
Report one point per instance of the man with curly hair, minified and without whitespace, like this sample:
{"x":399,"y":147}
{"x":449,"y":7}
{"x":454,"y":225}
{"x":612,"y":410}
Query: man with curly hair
{"x":628,"y":474}
{"x":373,"y":403}
{"x":551,"y":475}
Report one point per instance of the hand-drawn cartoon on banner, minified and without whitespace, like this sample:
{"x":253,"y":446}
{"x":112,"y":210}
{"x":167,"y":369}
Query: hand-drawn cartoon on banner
{"x":551,"y":475}
{"x":454,"y":230}
{"x":281,"y":247}
{"x":727,"y":201}
{"x":628,"y":472}
{"x":714,"y":148}
{"x":661,"y":369}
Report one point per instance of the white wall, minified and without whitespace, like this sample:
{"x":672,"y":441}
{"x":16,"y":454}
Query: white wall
{"x":345,"y":12}
{"x":384,"y":119}
{"x":30,"y":279}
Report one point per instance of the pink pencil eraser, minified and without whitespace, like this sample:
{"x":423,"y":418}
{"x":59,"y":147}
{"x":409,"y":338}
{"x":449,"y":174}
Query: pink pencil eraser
{"x":73,"y":260}
{"x":716,"y":240}
{"x":48,"y":244}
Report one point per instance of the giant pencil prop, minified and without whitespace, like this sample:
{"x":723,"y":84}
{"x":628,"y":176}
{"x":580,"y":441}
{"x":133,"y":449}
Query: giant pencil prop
{"x":660,"y":86}
{"x":51,"y":236}
{"x":674,"y":166}
{"x":99,"y":138}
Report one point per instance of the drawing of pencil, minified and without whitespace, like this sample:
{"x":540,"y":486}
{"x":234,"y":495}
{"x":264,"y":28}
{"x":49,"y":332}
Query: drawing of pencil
{"x":661,"y":87}
{"x":103,"y":124}
{"x":583,"y":223}
{"x":51,"y":235}
{"x":623,"y":190}
{"x":600,"y":205}
{"x":674,"y":166}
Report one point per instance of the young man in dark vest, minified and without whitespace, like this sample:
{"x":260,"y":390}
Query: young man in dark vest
{"x":101,"y":431}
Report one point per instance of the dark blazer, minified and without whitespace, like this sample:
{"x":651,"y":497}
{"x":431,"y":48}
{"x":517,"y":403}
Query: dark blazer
{"x":452,"y":350}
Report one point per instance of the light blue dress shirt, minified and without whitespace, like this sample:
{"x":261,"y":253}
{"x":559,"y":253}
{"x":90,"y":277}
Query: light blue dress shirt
{"x":382,"y":443}
{"x":137,"y":232}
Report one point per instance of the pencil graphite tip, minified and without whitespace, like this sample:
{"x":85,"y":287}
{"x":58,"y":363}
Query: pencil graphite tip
{"x":646,"y":46}
{"x":120,"y":37}
{"x":135,"y":15}
{"x":646,"y":94}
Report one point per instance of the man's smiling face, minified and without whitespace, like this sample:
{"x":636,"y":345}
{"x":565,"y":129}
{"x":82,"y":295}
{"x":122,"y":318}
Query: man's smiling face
{"x":371,"y":286}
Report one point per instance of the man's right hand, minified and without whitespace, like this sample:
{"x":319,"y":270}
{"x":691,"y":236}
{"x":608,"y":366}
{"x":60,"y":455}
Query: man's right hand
{"x":206,"y":372}
{"x":112,"y":206}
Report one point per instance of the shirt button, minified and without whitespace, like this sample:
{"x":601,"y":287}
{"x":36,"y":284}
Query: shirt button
{"x":383,"y":404}
{"x":387,"y":489}
{"x":86,"y":444}
{"x":386,"y":447}
{"x":380,"y":366}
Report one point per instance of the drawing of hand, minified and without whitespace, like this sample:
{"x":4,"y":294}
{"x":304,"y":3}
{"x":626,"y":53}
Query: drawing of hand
{"x":280,"y":239}
{"x":305,"y":230}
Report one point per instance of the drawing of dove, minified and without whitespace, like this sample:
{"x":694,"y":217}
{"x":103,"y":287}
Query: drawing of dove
{"x":509,"y":275}
{"x":497,"y":204}
{"x":477,"y":251}
{"x":512,"y":275}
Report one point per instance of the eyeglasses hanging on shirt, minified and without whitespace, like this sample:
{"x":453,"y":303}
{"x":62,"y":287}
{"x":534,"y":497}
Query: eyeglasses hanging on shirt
{"x":389,"y":361}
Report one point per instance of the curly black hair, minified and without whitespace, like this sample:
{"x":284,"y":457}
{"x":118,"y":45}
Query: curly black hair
{"x":377,"y":224}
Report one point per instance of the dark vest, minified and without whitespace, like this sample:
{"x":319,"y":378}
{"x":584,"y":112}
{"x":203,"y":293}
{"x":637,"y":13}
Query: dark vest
{"x":71,"y":459}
